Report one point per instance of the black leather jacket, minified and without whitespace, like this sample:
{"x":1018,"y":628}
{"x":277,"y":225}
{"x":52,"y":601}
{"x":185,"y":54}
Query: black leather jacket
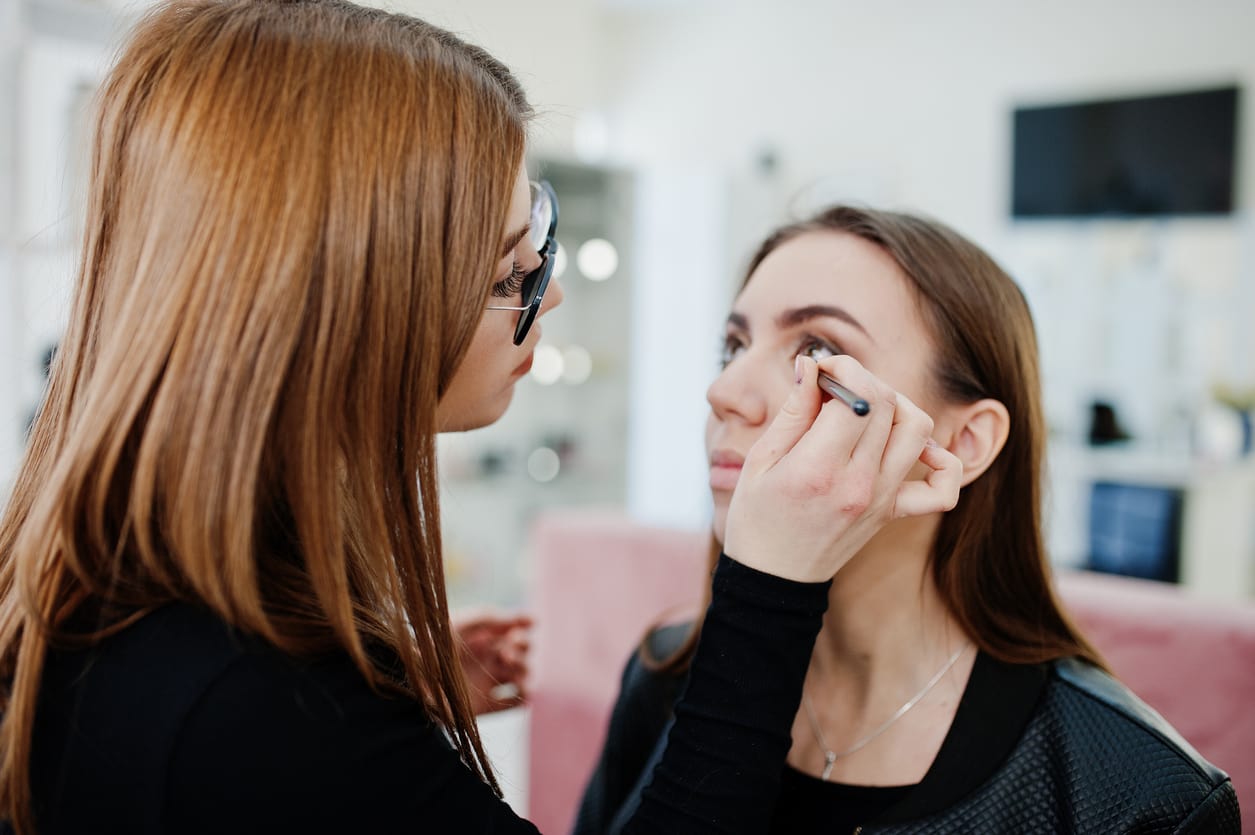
{"x":1057,"y":748}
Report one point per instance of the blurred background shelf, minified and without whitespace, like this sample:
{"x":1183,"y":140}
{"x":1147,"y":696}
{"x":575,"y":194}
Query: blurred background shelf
{"x":1214,"y":548}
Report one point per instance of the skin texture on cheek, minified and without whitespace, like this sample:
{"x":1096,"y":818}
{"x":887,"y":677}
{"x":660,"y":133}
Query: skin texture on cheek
{"x":482,"y":386}
{"x":481,"y":389}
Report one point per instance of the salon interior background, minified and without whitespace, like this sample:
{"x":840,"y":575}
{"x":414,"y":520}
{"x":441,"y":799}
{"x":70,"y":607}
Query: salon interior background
{"x":677,"y":133}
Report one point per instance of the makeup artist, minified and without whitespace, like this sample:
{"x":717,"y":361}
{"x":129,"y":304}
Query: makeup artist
{"x":948,"y":691}
{"x":311,"y":245}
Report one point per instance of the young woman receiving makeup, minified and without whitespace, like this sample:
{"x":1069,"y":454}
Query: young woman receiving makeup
{"x":947,"y":690}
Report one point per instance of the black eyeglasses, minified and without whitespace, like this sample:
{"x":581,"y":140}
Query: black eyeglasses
{"x":544,"y":216}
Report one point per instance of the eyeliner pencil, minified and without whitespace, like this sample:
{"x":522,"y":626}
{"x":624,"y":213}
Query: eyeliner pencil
{"x":857,"y":404}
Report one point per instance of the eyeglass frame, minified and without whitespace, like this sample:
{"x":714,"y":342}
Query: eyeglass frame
{"x":539,"y":277}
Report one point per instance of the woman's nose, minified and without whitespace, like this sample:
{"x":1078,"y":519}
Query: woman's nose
{"x":738,"y":393}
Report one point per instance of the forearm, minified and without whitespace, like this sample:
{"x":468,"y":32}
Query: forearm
{"x":721,"y":769}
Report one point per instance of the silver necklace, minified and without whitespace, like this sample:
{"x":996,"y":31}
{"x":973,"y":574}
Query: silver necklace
{"x":831,"y":757}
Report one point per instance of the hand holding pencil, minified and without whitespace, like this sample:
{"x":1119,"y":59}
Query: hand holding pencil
{"x":857,"y":404}
{"x":817,"y":485}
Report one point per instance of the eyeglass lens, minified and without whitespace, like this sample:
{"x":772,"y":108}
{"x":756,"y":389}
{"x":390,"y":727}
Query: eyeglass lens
{"x":541,"y":217}
{"x":533,"y":286}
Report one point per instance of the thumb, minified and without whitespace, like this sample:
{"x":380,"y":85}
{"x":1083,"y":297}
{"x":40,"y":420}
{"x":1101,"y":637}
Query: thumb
{"x":791,"y":422}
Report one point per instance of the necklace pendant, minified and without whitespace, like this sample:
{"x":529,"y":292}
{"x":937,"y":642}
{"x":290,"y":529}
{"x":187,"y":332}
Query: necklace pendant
{"x":830,"y":759}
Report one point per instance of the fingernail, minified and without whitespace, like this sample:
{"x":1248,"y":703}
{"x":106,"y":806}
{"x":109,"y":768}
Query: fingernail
{"x":797,"y":370}
{"x":931,"y":443}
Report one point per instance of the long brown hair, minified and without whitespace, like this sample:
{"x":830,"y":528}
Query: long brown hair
{"x":294,"y":214}
{"x":988,"y":560}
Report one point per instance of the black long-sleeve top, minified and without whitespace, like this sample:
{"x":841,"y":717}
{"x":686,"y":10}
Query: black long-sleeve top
{"x":179,"y":725}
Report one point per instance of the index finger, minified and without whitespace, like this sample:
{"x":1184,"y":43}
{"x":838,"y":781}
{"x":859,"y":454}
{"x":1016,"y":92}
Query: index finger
{"x":791,"y":423}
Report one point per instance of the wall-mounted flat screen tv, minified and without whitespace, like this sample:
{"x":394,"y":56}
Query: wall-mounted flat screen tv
{"x":1130,"y":157}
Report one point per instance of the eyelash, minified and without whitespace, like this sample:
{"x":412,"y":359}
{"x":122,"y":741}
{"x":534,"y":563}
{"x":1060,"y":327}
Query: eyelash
{"x":511,"y":285}
{"x":733,"y":343}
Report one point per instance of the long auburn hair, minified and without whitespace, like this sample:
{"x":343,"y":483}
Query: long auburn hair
{"x":988,"y":560}
{"x":294,"y":213}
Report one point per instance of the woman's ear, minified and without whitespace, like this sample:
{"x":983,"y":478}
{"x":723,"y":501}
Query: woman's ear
{"x":979,"y":430}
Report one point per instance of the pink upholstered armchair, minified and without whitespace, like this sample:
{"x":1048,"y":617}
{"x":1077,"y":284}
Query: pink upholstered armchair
{"x":600,"y":580}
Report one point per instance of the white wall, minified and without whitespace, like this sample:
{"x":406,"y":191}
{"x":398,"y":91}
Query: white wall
{"x":10,"y":416}
{"x":52,"y":52}
{"x":555,"y":47}
{"x":678,"y":306}
{"x":908,"y":105}
{"x":913,"y":96}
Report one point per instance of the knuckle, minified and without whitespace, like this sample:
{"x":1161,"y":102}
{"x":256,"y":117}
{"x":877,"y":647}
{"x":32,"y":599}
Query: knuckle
{"x":816,"y":482}
{"x":856,"y":495}
{"x":916,"y":417}
{"x":856,"y":507}
{"x":789,"y":410}
{"x":926,"y":425}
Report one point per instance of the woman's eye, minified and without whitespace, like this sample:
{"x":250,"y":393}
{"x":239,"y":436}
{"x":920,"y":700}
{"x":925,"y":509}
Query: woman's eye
{"x":817,"y":349}
{"x":732,"y":348}
{"x":511,"y":285}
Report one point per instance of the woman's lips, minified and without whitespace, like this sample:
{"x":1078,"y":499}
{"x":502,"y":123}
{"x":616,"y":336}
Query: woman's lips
{"x":725,"y":470}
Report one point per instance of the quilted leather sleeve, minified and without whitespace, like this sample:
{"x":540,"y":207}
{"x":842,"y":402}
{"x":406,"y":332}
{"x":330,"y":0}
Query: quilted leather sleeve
{"x":1217,"y":815}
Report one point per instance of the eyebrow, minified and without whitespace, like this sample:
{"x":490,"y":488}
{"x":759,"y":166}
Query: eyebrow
{"x":800,"y":315}
{"x":513,"y":240}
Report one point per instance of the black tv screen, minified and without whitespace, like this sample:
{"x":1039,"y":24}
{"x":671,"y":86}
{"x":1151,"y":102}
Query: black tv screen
{"x":1154,"y":155}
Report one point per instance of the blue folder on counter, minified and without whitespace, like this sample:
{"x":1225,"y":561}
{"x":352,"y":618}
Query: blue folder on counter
{"x":1135,"y":530}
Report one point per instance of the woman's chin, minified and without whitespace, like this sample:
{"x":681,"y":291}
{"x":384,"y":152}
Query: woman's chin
{"x":486,"y":414}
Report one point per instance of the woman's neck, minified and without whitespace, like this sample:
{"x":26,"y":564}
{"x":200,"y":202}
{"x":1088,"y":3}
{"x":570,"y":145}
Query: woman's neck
{"x":888,"y":669}
{"x":886,"y":630}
